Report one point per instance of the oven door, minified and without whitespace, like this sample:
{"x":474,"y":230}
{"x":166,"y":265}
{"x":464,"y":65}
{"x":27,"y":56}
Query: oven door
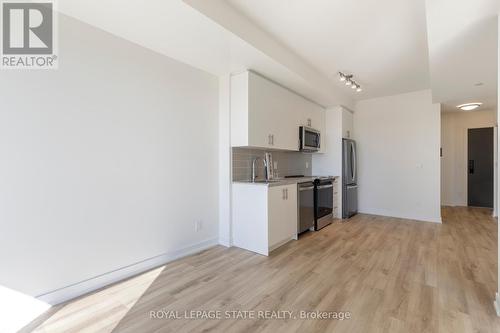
{"x":323,"y":204}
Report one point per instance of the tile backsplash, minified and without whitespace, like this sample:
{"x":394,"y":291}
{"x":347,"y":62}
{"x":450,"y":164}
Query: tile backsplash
{"x":289,"y":163}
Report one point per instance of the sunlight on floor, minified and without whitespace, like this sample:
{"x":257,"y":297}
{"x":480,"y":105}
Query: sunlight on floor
{"x":96,"y":313}
{"x":18,"y":309}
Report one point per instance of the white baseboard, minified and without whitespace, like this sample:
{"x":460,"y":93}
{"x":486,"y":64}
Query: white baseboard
{"x":401,"y":216}
{"x":224,"y":242}
{"x":454,"y":204}
{"x":496,"y":302}
{"x":432,"y":219}
{"x":83,"y":287}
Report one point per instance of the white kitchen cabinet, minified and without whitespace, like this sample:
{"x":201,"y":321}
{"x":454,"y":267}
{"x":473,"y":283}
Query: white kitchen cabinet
{"x":282,"y":214}
{"x":264,"y":217}
{"x":337,"y":208}
{"x":267,"y":115}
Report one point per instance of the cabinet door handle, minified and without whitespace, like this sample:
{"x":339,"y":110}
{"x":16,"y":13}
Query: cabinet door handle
{"x":283,"y":194}
{"x":269,"y":139}
{"x":272,"y":139}
{"x":286,"y":194}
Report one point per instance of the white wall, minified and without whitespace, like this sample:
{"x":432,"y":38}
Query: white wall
{"x":330,"y":162}
{"x":398,"y":140}
{"x":347,"y":124}
{"x":225,"y":159}
{"x":106,"y":162}
{"x":454,"y":126}
{"x":339,"y":124}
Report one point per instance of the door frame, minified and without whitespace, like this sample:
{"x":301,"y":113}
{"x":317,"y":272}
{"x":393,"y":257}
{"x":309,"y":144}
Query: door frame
{"x":495,"y":156}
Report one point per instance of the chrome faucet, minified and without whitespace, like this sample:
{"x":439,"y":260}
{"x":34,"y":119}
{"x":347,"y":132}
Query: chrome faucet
{"x":254,"y":176}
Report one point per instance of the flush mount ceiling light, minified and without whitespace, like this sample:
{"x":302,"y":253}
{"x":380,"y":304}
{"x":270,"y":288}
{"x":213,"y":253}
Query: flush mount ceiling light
{"x":469,"y":106}
{"x":349,"y":81}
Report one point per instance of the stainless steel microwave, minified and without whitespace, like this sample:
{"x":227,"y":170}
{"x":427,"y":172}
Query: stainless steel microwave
{"x":310,"y":139}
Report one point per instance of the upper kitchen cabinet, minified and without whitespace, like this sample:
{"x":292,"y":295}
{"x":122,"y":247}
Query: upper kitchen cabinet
{"x":313,"y":116}
{"x":267,"y":115}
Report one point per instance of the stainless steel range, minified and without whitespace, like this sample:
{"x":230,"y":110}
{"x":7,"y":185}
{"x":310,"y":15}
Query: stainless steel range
{"x":315,"y":204}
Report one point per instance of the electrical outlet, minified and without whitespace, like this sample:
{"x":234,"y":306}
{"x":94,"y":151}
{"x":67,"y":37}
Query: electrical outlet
{"x":275,"y":165}
{"x":198,"y":225}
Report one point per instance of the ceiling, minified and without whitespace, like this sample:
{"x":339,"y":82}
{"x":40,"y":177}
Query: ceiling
{"x":383,"y":43}
{"x":173,"y":28}
{"x":463,"y":46}
{"x":391,"y":46}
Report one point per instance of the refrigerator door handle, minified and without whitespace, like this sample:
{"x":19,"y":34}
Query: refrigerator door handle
{"x":353,"y":162}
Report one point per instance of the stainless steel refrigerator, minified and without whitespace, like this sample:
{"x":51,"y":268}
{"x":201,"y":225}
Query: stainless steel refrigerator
{"x":349,"y":179}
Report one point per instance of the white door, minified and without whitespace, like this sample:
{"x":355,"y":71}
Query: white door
{"x":282,"y":214}
{"x":262,"y":114}
{"x":272,"y":122}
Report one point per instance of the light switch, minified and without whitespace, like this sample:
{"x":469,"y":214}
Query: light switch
{"x":275,"y":165}
{"x":307,"y":165}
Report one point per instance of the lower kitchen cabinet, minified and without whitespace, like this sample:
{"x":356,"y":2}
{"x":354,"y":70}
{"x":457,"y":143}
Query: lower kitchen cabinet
{"x":264,"y":217}
{"x":337,"y":207}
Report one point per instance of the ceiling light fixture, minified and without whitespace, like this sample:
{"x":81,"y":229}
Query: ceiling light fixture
{"x":469,"y":106}
{"x":349,"y":81}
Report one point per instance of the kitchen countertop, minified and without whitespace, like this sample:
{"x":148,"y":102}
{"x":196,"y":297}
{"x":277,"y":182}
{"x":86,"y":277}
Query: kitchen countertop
{"x":280,"y":181}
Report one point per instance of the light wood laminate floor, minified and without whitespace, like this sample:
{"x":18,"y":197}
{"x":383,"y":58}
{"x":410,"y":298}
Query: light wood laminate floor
{"x":392,"y":275}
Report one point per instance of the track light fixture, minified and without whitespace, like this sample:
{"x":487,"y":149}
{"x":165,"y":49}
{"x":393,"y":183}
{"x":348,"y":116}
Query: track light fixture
{"x":349,"y":81}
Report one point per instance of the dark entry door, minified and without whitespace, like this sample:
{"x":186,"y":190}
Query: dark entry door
{"x":480,"y":167}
